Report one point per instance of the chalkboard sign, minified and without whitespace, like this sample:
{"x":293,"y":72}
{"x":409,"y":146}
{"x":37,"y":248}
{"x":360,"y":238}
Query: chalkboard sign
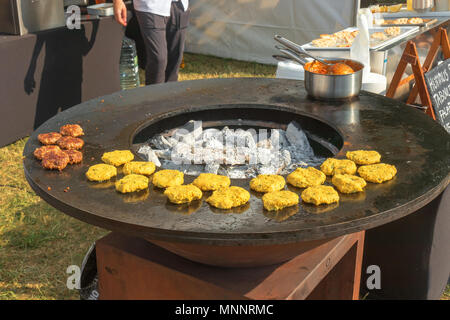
{"x":438,"y":83}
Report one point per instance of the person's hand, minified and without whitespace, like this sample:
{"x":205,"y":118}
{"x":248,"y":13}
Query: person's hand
{"x":120,"y":12}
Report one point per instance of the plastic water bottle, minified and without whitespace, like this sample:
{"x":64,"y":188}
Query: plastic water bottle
{"x":129,"y":69}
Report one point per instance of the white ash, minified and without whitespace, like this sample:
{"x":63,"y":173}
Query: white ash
{"x":212,"y":168}
{"x":237,"y":153}
{"x":297,"y":139}
{"x":150,"y":155}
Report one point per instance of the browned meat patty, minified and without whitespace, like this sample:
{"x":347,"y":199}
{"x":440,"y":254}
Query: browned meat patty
{"x":73,"y":130}
{"x":74,"y":156}
{"x":42,"y":151}
{"x":70,"y":143}
{"x":55,"y":160}
{"x":49,"y":138}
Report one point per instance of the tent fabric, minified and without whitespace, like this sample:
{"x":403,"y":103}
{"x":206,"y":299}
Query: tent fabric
{"x":244,"y":29}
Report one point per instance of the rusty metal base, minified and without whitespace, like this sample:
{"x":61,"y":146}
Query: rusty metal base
{"x":132,"y":268}
{"x":239,"y":256}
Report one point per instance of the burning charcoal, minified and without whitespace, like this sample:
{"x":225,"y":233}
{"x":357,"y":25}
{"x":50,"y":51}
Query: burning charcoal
{"x":296,"y":165}
{"x":235,"y":153}
{"x":235,"y":156}
{"x":184,"y":167}
{"x":286,"y":157}
{"x":150,"y":155}
{"x":212,"y":168}
{"x":163,"y":154}
{"x":212,"y":133}
{"x":276,"y":165}
{"x":278,"y":139}
{"x":264,"y":155}
{"x":213,"y":144}
{"x":266,"y":144}
{"x":245,"y":138}
{"x":269,"y":169}
{"x":223,"y":171}
{"x":194,"y":169}
{"x":252,"y":156}
{"x":243,"y":155}
{"x":264,"y":140}
{"x":168,"y":164}
{"x":207,"y":155}
{"x":214,"y":156}
{"x":161,"y":142}
{"x":297,"y":137}
{"x":188,"y":133}
{"x":197,"y":155}
{"x":241,"y":172}
{"x":229,"y":138}
{"x":251,"y":136}
{"x":182,"y":153}
{"x":182,"y":148}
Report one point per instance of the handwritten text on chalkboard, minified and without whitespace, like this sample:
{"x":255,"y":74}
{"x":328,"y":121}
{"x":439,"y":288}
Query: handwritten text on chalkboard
{"x":438,"y":82}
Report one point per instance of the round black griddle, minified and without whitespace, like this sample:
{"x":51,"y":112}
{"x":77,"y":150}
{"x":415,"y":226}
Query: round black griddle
{"x":405,"y":137}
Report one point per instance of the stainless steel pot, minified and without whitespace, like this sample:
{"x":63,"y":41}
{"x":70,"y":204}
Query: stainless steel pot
{"x":422,"y":5}
{"x":333,"y":87}
{"x":327,"y":86}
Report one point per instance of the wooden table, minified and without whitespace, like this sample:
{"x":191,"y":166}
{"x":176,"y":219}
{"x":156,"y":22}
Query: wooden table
{"x":133,"y":268}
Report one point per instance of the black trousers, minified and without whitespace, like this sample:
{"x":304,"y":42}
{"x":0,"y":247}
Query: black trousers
{"x":164,"y":39}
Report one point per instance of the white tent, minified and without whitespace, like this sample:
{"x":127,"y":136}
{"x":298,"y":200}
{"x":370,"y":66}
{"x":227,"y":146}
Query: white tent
{"x":244,"y":29}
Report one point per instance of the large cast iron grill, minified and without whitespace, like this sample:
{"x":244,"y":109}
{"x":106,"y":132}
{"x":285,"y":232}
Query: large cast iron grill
{"x":415,"y":144}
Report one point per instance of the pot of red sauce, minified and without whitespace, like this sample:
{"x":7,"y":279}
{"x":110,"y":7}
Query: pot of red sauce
{"x":342,"y":80}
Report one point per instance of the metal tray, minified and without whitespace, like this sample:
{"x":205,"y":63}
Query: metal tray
{"x":102,"y":9}
{"x":426,"y":23}
{"x":374,"y":45}
{"x":412,"y":14}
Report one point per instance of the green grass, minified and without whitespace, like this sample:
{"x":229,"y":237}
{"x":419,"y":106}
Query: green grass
{"x":37,"y":242}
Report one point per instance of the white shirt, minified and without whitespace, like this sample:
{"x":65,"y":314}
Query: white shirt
{"x":159,"y":7}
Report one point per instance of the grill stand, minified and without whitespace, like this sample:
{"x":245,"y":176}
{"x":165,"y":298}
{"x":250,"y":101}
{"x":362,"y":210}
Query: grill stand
{"x":133,"y":268}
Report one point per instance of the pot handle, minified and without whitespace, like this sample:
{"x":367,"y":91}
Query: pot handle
{"x":292,"y":56}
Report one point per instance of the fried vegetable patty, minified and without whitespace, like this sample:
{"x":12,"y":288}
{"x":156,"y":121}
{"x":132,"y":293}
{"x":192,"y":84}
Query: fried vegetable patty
{"x":211,"y":181}
{"x":267,"y":183}
{"x":117,"y":157}
{"x":229,"y":197}
{"x":377,"y":173}
{"x":139,"y":167}
{"x":278,"y":200}
{"x":320,"y":195}
{"x":132,"y":183}
{"x":347,"y":183}
{"x":364,"y":156}
{"x":168,"y":178}
{"x":183,"y":194}
{"x":101,"y":172}
{"x":333,"y":166}
{"x":303,"y":178}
